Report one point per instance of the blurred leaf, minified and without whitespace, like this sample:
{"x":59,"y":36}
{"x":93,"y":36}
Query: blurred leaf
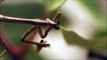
{"x":94,"y":7}
{"x":73,"y":38}
{"x":7,"y":57}
{"x":99,"y":34}
{"x":27,"y":10}
{"x":1,"y":48}
{"x":53,"y":4}
{"x":10,"y":30}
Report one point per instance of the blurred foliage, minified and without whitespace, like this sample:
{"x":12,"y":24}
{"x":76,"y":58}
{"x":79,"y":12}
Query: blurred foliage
{"x":14,"y":31}
{"x":94,"y":44}
{"x":100,"y":34}
{"x":53,"y":4}
{"x":94,"y":7}
{"x":1,"y":48}
{"x":31,"y":56}
{"x":27,"y":10}
{"x":7,"y":57}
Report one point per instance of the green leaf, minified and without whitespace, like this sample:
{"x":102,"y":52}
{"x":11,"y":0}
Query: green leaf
{"x":53,"y":4}
{"x":73,"y":38}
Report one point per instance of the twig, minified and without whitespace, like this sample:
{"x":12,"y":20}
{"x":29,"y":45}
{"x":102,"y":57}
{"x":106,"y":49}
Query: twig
{"x":3,"y":53}
{"x":26,"y":21}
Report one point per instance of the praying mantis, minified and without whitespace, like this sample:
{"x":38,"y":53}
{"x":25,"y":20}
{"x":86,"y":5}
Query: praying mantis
{"x":54,"y":23}
{"x":42,"y":35}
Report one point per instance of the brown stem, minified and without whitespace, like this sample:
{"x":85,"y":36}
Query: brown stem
{"x":26,"y":21}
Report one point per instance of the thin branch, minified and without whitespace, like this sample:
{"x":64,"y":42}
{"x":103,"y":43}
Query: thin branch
{"x":26,"y":21}
{"x":1,"y":54}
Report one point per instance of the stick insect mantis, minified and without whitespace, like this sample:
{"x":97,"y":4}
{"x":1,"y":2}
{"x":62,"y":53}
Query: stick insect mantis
{"x":42,"y":35}
{"x":51,"y":24}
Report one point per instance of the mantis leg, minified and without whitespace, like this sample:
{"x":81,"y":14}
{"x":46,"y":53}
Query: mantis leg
{"x":43,"y":35}
{"x":31,"y":42}
{"x":26,"y":34}
{"x":55,"y":19}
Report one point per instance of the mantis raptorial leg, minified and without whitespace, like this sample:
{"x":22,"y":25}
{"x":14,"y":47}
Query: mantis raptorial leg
{"x":39,"y":29}
{"x":42,"y":35}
